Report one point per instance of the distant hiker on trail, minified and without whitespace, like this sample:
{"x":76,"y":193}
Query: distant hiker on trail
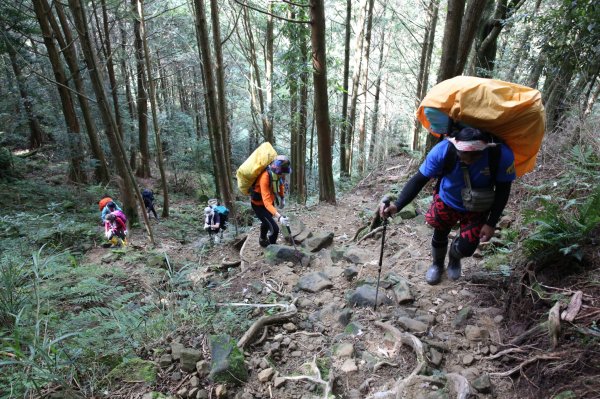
{"x":467,"y":160}
{"x":212,"y":220}
{"x":267,"y":191}
{"x":110,"y":207}
{"x":115,"y":227}
{"x":148,"y":196}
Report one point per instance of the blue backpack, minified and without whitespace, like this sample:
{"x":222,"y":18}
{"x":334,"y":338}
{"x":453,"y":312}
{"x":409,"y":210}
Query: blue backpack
{"x":223,"y":214}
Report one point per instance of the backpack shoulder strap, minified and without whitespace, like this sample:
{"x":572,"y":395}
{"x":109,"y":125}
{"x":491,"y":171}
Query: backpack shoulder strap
{"x":494,"y":162}
{"x":449,"y":160}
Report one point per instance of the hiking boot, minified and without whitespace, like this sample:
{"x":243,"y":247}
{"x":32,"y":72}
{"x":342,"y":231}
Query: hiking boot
{"x":264,"y":242}
{"x":434,"y":273}
{"x":454,"y":257}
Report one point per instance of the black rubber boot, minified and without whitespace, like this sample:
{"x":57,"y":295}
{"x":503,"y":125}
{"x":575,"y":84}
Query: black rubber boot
{"x":263,"y":242}
{"x":438,"y":253}
{"x":454,"y":257}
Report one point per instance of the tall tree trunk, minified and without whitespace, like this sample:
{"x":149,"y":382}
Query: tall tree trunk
{"x":66,"y":42}
{"x":303,"y":113}
{"x":143,"y":169}
{"x":317,"y":10}
{"x":128,"y":96}
{"x":36,"y":134}
{"x":267,"y":134}
{"x":292,"y":82}
{"x":128,"y":187}
{"x":222,"y":94}
{"x":76,"y":173}
{"x":269,"y":71}
{"x":374,"y":130}
{"x":152,"y":87}
{"x":523,"y":44}
{"x":205,"y":52}
{"x":536,"y":71}
{"x":451,"y":39}
{"x":357,"y":64}
{"x":425,"y":65}
{"x":343,"y":128}
{"x":468,"y":29}
{"x":362,"y":126}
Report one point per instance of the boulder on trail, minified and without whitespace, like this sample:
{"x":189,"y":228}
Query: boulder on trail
{"x":227,"y":364}
{"x":314,"y":282}
{"x":364,"y":296}
{"x":276,"y":254}
{"x":358,"y":255}
{"x":318,"y":241}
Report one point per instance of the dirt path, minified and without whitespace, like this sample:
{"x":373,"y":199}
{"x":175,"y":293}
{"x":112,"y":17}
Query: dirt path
{"x":358,"y":357}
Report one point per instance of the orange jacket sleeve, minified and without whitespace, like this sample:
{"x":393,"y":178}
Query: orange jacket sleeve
{"x":266,"y":193}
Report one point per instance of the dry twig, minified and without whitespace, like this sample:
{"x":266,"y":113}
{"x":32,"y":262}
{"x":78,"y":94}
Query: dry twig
{"x":264,"y":321}
{"x":370,"y":234}
{"x":534,"y":359}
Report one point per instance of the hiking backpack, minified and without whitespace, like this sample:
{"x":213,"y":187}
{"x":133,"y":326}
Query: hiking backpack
{"x":120,"y":215}
{"x":148,"y":195}
{"x":510,"y":112}
{"x":223,"y":214}
{"x":253,"y":166}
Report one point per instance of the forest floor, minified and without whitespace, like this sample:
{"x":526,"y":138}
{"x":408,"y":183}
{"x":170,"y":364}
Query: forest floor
{"x":455,"y":339}
{"x":307,"y":322}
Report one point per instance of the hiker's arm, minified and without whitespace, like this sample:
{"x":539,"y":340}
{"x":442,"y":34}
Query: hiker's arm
{"x":409,"y":192}
{"x":500,"y":201}
{"x":267,"y":195}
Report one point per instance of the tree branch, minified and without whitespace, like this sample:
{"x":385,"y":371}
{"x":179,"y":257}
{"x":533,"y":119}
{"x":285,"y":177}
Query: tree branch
{"x":268,"y":13}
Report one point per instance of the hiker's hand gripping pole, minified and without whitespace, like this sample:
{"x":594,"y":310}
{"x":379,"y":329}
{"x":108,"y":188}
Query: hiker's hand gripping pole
{"x":386,"y":202}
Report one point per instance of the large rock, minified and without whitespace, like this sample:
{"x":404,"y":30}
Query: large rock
{"x":134,"y":369}
{"x":318,"y":242}
{"x":402,"y":292}
{"x":321,"y":260}
{"x":364,"y":296}
{"x":227,"y":364}
{"x":314,"y":282}
{"x":359,"y":256}
{"x":412,"y":325}
{"x":189,"y":358}
{"x":408,"y":212}
{"x":276,"y":254}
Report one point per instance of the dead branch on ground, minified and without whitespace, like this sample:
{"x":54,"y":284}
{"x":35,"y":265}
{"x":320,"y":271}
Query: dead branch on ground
{"x":534,"y":359}
{"x":264,"y":321}
{"x":317,"y":379}
{"x":370,"y":234}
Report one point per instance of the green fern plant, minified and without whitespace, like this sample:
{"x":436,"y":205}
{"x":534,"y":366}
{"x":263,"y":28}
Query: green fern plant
{"x":562,"y":230}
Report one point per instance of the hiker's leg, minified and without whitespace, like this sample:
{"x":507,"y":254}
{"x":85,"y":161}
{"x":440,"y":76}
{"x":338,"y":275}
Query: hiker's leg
{"x":268,"y":226}
{"x":442,"y":218}
{"x":153,"y":211}
{"x":465,"y":243}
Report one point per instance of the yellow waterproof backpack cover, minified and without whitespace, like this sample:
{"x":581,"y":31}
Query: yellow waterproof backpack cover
{"x":510,"y":111}
{"x":252,"y":167}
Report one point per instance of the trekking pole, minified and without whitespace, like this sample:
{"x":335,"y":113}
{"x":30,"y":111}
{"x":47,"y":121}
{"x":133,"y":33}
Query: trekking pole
{"x":386,"y":202}
{"x":291,"y":238}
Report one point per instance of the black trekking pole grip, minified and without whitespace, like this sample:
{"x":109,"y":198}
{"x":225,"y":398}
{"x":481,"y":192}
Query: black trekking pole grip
{"x":386,"y":202}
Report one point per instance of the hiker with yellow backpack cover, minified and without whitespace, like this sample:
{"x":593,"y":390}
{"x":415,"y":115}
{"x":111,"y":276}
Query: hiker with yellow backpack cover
{"x":492,"y":131}
{"x":263,"y":177}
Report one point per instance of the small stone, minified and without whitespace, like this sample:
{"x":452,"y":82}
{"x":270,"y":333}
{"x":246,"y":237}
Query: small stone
{"x":296,"y":354}
{"x":485,"y":350}
{"x":176,"y":376}
{"x":263,"y":364}
{"x":474,"y":333}
{"x":202,"y":394}
{"x":279,"y":381}
{"x":183,"y":392}
{"x":349,"y":366}
{"x":483,"y":384}
{"x":289,"y":327}
{"x":165,"y":361}
{"x":176,"y":349}
{"x":195,"y":382}
{"x":345,"y":349}
{"x":266,"y":374}
{"x":203,"y":368}
{"x":498,"y":319}
{"x":493,"y":349}
{"x":468,"y":360}
{"x":436,"y":357}
{"x":461,"y":318}
{"x":220,"y":391}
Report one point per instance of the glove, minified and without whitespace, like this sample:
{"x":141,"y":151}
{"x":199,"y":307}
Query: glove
{"x":107,"y":234}
{"x":284,"y":221}
{"x":126,"y":232}
{"x":206,"y":226}
{"x":282,"y":203}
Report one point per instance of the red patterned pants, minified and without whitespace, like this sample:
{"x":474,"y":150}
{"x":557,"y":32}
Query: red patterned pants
{"x":442,"y":217}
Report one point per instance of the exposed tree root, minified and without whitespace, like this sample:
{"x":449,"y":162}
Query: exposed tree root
{"x":370,"y":234}
{"x":360,"y":229}
{"x":537,"y":329}
{"x":534,"y":359}
{"x":230,"y":263}
{"x":574,"y":306}
{"x":264,"y":321}
{"x":243,"y":260}
{"x":506,"y":352}
{"x":417,"y":346}
{"x":315,"y":378}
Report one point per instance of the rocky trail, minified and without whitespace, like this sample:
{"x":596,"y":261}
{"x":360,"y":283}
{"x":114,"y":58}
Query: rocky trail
{"x":314,"y":329}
